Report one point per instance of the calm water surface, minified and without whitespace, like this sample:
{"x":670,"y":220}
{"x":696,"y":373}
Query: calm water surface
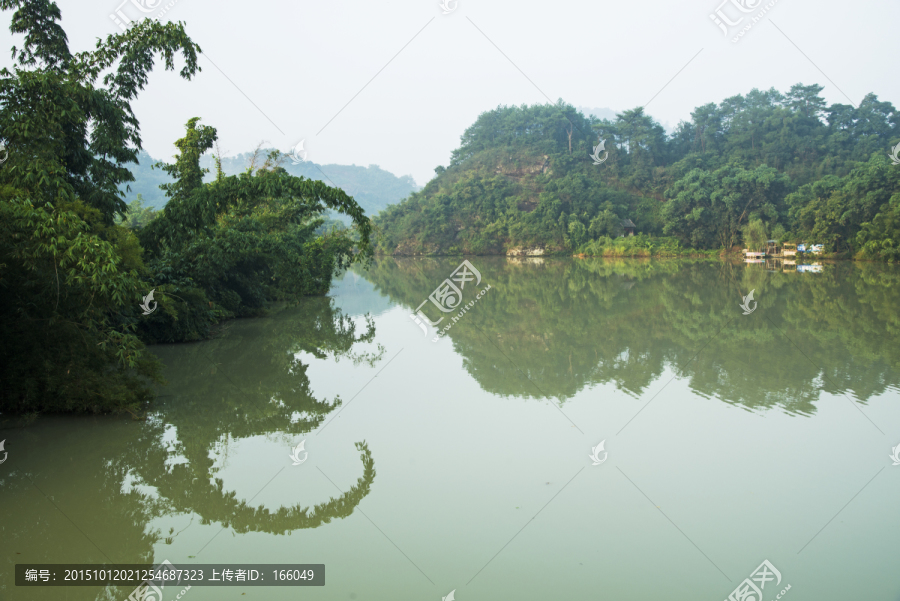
{"x":464,"y":464}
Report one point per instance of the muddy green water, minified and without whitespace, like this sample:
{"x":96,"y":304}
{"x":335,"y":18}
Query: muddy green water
{"x":464,"y":464}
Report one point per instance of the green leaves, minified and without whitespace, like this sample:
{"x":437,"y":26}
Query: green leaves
{"x":242,"y":241}
{"x":66,"y":137}
{"x":708,"y":209}
{"x":72,"y":278}
{"x":853,"y":213}
{"x":67,"y":289}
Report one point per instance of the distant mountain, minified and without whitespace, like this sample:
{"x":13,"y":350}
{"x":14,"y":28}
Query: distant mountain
{"x":146,"y":182}
{"x":372,"y":187}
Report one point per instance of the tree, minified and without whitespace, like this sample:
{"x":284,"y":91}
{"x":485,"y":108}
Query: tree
{"x":880,"y":238}
{"x":241,"y":241}
{"x":137,"y":215}
{"x":577,"y":233}
{"x":606,"y":223}
{"x":755,"y":235}
{"x":834,"y":211}
{"x":72,"y":280}
{"x":707,"y":210}
{"x":66,"y":137}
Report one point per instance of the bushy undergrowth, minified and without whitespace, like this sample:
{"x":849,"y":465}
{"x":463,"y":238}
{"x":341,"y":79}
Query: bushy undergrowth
{"x":640,"y":245}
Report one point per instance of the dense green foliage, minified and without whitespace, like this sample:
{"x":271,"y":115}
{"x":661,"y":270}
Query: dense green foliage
{"x":639,"y":245}
{"x":70,"y":277}
{"x":523,"y":177}
{"x":137,"y":215}
{"x":73,"y":279}
{"x":708,"y":209}
{"x":227,"y":248}
{"x":857,"y":212}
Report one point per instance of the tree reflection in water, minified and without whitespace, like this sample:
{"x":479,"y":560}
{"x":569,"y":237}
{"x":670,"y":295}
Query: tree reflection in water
{"x":571,"y":324}
{"x":249,"y":381}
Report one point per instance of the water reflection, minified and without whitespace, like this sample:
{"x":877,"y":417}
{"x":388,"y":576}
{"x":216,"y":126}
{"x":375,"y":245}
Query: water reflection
{"x":573,"y":324}
{"x":250,"y":381}
{"x":118,"y":475}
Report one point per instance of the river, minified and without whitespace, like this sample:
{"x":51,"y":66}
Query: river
{"x":733,"y":433}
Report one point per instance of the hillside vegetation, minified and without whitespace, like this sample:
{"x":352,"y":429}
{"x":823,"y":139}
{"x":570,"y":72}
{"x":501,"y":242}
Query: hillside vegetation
{"x":777,"y":165}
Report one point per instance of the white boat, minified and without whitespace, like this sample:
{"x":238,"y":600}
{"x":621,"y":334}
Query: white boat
{"x":814,"y":268}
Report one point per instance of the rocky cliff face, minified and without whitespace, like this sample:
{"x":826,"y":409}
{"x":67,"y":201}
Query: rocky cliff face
{"x":534,"y":251}
{"x":519,"y":174}
{"x":516,"y":168}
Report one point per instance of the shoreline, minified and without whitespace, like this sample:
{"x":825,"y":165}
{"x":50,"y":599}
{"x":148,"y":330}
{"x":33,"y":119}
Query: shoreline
{"x":693,"y":254}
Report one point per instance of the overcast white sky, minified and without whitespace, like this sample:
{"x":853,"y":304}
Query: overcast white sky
{"x":301,"y":62}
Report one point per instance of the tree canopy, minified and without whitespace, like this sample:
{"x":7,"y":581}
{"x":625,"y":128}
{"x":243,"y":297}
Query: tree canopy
{"x":74,"y":274}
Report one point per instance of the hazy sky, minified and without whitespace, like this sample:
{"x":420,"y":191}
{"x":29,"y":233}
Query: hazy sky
{"x":415,"y":78}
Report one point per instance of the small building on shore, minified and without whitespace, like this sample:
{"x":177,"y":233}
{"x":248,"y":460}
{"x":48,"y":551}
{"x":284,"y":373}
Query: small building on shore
{"x":628,"y":227}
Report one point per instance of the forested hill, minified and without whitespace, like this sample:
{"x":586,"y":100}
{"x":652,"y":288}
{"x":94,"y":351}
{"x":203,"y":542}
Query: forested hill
{"x":763,"y":164}
{"x":372,"y":187}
